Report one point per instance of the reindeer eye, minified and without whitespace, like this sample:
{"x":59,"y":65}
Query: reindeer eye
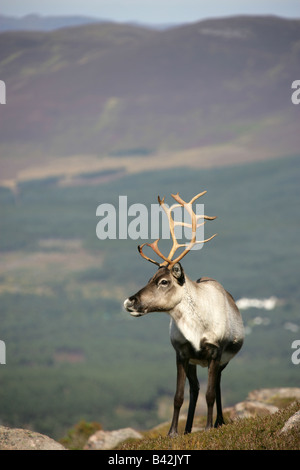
{"x":164,"y":282}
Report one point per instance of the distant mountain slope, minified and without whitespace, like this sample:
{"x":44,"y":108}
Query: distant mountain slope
{"x":121,"y":89}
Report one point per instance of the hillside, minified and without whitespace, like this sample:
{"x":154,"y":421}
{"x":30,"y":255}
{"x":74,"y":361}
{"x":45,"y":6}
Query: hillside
{"x":127,"y":90}
{"x":256,"y":433}
{"x":273,"y":423}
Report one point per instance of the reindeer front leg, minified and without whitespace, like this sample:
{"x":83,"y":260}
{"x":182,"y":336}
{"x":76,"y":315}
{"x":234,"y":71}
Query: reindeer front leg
{"x":194,"y":392}
{"x":179,"y":394}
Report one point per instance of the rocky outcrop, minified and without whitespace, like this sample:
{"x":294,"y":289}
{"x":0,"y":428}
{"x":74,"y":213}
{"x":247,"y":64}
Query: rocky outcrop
{"x":292,"y":423}
{"x":105,"y":440}
{"x":263,"y":402}
{"x":246,"y":409}
{"x":271,"y":395}
{"x":23,"y":439}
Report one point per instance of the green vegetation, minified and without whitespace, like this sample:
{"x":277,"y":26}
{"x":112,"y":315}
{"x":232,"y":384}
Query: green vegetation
{"x":73,"y":354}
{"x":78,"y":436}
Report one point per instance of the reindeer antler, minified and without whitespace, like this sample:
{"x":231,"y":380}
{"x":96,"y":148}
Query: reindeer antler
{"x":194,"y":225}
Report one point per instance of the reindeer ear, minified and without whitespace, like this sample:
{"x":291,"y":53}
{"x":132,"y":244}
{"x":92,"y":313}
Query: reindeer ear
{"x":178,"y":273}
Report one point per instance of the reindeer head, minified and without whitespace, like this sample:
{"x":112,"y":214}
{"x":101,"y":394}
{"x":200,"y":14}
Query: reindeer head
{"x":161,"y":294}
{"x":164,"y":290}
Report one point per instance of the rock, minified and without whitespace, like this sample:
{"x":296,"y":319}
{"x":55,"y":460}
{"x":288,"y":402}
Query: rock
{"x":246,"y":409}
{"x":268,"y":395}
{"x":105,"y":440}
{"x":23,"y":439}
{"x":292,"y":422}
{"x":262,"y":402}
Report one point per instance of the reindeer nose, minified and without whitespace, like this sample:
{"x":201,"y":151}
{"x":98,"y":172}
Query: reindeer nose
{"x":129,"y":304}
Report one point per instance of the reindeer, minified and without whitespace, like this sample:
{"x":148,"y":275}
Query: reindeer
{"x":206,"y":327}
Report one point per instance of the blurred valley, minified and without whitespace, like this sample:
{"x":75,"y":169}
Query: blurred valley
{"x":101,"y":110}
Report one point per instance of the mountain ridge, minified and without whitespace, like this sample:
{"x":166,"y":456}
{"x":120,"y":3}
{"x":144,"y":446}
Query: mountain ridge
{"x":35,"y":22}
{"x":107,"y":88}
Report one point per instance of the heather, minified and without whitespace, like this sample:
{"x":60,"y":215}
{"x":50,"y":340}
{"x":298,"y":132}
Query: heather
{"x":256,"y":433}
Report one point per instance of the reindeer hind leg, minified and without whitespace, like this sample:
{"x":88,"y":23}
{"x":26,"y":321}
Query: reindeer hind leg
{"x":219,"y":420}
